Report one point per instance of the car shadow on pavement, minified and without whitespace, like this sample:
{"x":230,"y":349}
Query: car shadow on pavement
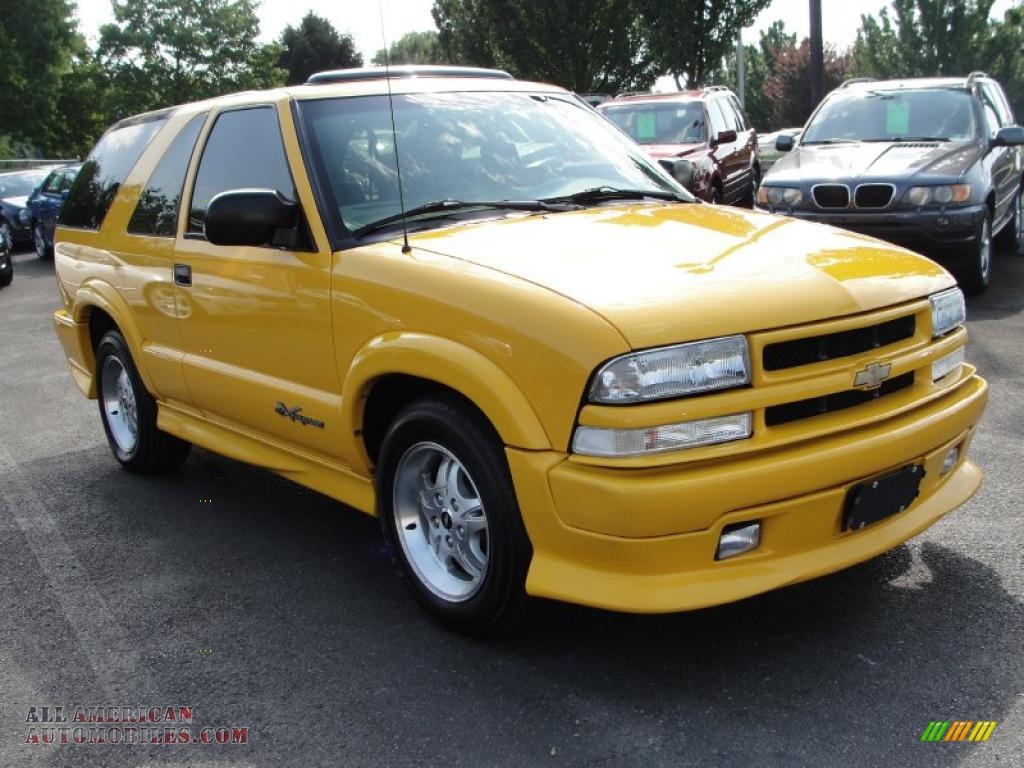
{"x":305,"y":614}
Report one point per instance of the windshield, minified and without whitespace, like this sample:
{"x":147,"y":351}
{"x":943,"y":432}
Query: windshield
{"x":674,"y":123}
{"x":20,"y":184}
{"x":470,"y":146}
{"x":939,"y":114}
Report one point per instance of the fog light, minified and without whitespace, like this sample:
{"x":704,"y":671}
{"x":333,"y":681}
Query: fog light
{"x":952,"y":457}
{"x":737,"y":539}
{"x":946,"y":365}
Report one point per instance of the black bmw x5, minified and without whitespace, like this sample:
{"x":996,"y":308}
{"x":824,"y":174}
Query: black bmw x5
{"x":934,"y":165}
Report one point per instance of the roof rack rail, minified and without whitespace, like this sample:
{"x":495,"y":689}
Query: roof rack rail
{"x":405,"y":70}
{"x":975,"y":75}
{"x":708,"y":88}
{"x":855,"y":80}
{"x":627,"y":94}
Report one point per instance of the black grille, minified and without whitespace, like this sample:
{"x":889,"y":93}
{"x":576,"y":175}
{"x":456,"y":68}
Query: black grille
{"x":873,"y":195}
{"x":816,"y":349}
{"x":815,"y":406}
{"x":831,"y":196}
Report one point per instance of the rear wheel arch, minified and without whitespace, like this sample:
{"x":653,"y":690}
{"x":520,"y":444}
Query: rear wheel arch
{"x":101,"y":307}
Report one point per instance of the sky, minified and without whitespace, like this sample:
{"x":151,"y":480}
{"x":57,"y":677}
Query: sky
{"x":840,"y":18}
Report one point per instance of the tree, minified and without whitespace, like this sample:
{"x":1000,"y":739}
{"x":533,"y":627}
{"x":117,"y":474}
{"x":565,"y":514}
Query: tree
{"x":788,"y":88}
{"x":758,"y":65}
{"x":413,"y":48}
{"x":1005,"y":58}
{"x":163,"y":52}
{"x":689,"y":38}
{"x":36,"y":46}
{"x":924,"y":38}
{"x":583,"y":45}
{"x":315,"y":45}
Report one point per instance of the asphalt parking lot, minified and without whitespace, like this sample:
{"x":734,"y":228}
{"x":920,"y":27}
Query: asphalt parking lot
{"x":266,"y":606}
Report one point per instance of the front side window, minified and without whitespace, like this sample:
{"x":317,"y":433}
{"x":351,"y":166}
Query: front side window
{"x":471,"y":146}
{"x":719,"y":122}
{"x":105,"y":170}
{"x":52,"y":184}
{"x":994,"y":96}
{"x":680,"y":123}
{"x":156,"y":213}
{"x":932,"y":114}
{"x":244,"y":151}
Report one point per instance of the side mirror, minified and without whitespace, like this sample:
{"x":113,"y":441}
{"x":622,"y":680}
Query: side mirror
{"x":784,"y":143}
{"x":682,"y":171}
{"x":249,"y":217}
{"x":1010,"y":136}
{"x":726,"y":137}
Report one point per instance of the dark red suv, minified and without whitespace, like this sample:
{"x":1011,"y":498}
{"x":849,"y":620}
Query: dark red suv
{"x":702,"y":136}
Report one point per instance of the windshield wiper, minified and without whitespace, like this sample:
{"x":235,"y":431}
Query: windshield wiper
{"x":833,"y":141}
{"x":898,"y":139}
{"x":451,"y":206}
{"x":600,"y":194}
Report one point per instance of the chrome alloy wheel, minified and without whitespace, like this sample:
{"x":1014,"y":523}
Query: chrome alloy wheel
{"x":1018,"y":220}
{"x":119,"y":404}
{"x":39,"y":241}
{"x":440,"y":521}
{"x":985,"y":250}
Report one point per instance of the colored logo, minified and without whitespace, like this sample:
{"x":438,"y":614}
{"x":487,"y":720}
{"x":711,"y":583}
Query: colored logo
{"x":872,"y":376}
{"x":958,"y":730}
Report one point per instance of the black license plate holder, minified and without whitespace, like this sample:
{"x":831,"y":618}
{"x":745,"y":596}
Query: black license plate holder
{"x":881,"y":497}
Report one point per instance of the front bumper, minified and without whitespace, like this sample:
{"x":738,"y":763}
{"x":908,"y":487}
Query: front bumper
{"x":937,"y":232}
{"x":797,"y":493}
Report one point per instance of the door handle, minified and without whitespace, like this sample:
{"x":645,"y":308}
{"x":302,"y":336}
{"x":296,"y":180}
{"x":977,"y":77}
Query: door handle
{"x":182,"y":274}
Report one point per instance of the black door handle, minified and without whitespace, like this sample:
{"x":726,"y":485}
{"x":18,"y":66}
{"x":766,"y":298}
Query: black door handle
{"x":182,"y":274}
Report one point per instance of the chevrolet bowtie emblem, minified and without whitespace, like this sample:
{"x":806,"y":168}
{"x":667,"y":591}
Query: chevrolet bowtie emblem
{"x":872,"y":376}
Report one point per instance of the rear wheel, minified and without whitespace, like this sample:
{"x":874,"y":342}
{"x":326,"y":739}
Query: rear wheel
{"x":1012,"y":236}
{"x":974,"y":276}
{"x":449,"y":512}
{"x":129,"y":412}
{"x":43,"y":251}
{"x":6,"y":268}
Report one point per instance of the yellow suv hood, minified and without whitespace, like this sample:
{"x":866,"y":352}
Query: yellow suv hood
{"x":663,"y":273}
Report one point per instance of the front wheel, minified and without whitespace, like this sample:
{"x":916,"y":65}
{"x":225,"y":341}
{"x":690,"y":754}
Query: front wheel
{"x":43,"y":251}
{"x":6,"y":268}
{"x":974,"y":276}
{"x":449,"y":513}
{"x":129,"y":412}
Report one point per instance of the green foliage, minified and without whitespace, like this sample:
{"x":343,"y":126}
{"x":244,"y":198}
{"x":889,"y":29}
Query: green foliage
{"x":788,"y":88}
{"x":413,"y":48}
{"x":689,"y":38}
{"x":36,"y":44}
{"x":163,"y":52}
{"x":759,"y":65}
{"x":923,"y":38}
{"x":583,"y":45}
{"x":314,"y":46}
{"x":1005,"y":59}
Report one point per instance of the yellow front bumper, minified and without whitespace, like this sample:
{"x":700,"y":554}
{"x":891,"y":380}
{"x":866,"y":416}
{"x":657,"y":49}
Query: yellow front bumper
{"x":801,"y":536}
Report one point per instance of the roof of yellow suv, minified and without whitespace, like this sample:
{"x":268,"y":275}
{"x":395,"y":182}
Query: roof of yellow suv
{"x":368,"y":81}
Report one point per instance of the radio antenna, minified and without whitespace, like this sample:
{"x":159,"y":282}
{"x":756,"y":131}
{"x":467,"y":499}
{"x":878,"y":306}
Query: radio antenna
{"x":394,"y":133}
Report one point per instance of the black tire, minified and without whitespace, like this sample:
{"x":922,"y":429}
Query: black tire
{"x":1011,"y":238}
{"x":500,"y":600}
{"x":974,"y":275}
{"x":43,"y":251}
{"x":716,"y":195}
{"x":750,"y":196}
{"x":6,"y":270}
{"x":153,"y":450}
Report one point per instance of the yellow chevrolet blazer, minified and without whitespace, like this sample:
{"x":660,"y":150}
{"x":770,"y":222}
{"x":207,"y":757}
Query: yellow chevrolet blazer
{"x":471,"y":306}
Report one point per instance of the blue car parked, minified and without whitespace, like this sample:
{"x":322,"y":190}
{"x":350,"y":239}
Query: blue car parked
{"x":43,"y":207}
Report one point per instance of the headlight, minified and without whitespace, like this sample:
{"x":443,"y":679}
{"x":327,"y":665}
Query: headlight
{"x":946,"y":365}
{"x":948,"y":311}
{"x":683,"y":369}
{"x":779,"y":195}
{"x":942,"y":195}
{"x":600,"y":441}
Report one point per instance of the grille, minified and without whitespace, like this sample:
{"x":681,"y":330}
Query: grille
{"x":816,"y":349}
{"x":873,"y":195}
{"x":816,"y":406}
{"x":831,"y":196}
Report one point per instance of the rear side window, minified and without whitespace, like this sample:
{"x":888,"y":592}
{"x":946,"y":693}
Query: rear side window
{"x":104,"y":170}
{"x":157,"y":210}
{"x":244,"y":151}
